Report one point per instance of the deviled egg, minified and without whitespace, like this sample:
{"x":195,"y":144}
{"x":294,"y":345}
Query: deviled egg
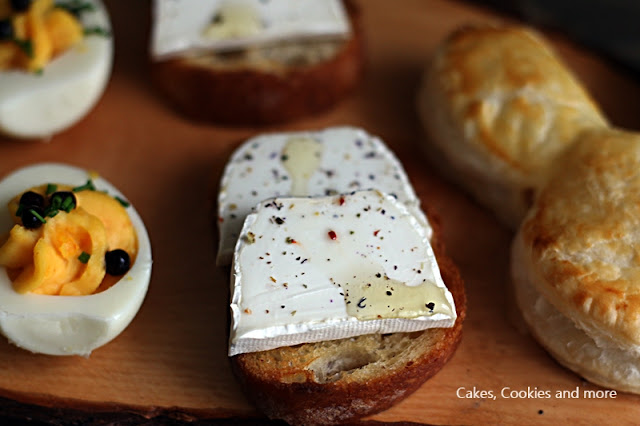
{"x":63,"y":203}
{"x":43,"y":91}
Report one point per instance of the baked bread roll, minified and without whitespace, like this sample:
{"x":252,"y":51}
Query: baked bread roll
{"x":265,"y":85}
{"x":343,"y":380}
{"x":575,"y":262}
{"x":498,"y":106}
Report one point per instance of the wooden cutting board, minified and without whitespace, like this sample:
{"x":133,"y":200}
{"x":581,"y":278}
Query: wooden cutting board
{"x":171,"y":361}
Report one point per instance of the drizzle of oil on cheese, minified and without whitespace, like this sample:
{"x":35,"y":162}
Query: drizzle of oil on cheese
{"x":317,"y":163}
{"x":301,"y":157}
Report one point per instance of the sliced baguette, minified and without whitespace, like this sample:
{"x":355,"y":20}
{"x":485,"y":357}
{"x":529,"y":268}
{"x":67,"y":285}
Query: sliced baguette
{"x":338,"y":381}
{"x":265,"y":85}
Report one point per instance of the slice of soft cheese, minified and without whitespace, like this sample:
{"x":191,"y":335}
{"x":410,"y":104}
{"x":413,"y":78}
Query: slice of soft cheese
{"x":331,"y":161}
{"x":40,"y":105}
{"x":316,"y":269}
{"x":181,"y":26}
{"x":69,"y":325}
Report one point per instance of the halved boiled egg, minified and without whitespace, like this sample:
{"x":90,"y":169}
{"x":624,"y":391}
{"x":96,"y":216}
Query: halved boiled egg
{"x":69,"y":325}
{"x":39,"y":104}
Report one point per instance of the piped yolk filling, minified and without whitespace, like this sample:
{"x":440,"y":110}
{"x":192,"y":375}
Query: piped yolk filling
{"x":66,"y":255}
{"x":37,"y":35}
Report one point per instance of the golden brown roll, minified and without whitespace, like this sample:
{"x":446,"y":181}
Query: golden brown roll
{"x":576,"y":264}
{"x":498,"y":107}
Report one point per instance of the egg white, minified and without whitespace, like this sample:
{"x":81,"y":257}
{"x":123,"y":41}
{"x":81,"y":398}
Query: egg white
{"x":69,"y":325}
{"x":36,"y":106}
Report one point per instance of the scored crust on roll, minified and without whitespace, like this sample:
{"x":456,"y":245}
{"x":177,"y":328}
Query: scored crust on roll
{"x":575,"y":263}
{"x":498,"y":107}
{"x":265,"y":85}
{"x":343,"y":380}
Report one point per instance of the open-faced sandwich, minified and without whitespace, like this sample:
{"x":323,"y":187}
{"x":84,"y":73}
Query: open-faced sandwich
{"x":255,"y":62}
{"x":343,"y":301}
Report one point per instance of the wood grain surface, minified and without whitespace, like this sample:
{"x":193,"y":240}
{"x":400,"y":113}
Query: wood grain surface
{"x":171,"y":361}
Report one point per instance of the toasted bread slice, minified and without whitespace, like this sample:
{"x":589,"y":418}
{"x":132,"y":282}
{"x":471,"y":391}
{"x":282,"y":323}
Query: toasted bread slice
{"x":265,"y":85}
{"x":499,"y":106}
{"x":343,"y":380}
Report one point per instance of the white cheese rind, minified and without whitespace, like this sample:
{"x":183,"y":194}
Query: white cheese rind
{"x":324,"y":268}
{"x":69,"y":325}
{"x":184,"y":26}
{"x":36,"y":106}
{"x":351,"y":159}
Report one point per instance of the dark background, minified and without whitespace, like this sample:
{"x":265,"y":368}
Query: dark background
{"x":611,"y":27}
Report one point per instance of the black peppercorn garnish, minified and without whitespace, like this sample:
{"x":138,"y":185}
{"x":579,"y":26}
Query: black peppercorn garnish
{"x":32,"y":217}
{"x":430,"y":306}
{"x":217,"y":19}
{"x":20,"y":5}
{"x":31,"y":199}
{"x":6,"y":29}
{"x":117,"y":262}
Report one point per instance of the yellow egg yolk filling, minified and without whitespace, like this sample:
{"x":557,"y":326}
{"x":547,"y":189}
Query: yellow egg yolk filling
{"x":39,"y":34}
{"x":66,"y":255}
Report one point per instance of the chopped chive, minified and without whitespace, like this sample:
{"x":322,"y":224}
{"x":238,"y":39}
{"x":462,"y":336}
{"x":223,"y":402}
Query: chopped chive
{"x":56,"y":202}
{"x":37,"y":216}
{"x":50,"y":211}
{"x":51,"y":188}
{"x":124,"y":203}
{"x":76,"y":7}
{"x":26,"y":46}
{"x":67,"y":204}
{"x":19,"y":210}
{"x":87,"y":186}
{"x":84,"y":257}
{"x":97,"y":31}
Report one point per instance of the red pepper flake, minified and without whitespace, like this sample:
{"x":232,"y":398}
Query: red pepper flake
{"x":375,"y":233}
{"x":332,"y":235}
{"x":341,"y":201}
{"x":220,"y":219}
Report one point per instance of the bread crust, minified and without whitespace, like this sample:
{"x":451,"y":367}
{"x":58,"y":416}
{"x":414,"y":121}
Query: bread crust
{"x":582,"y":236}
{"x":249,"y":94}
{"x":498,"y":107}
{"x":281,"y":383}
